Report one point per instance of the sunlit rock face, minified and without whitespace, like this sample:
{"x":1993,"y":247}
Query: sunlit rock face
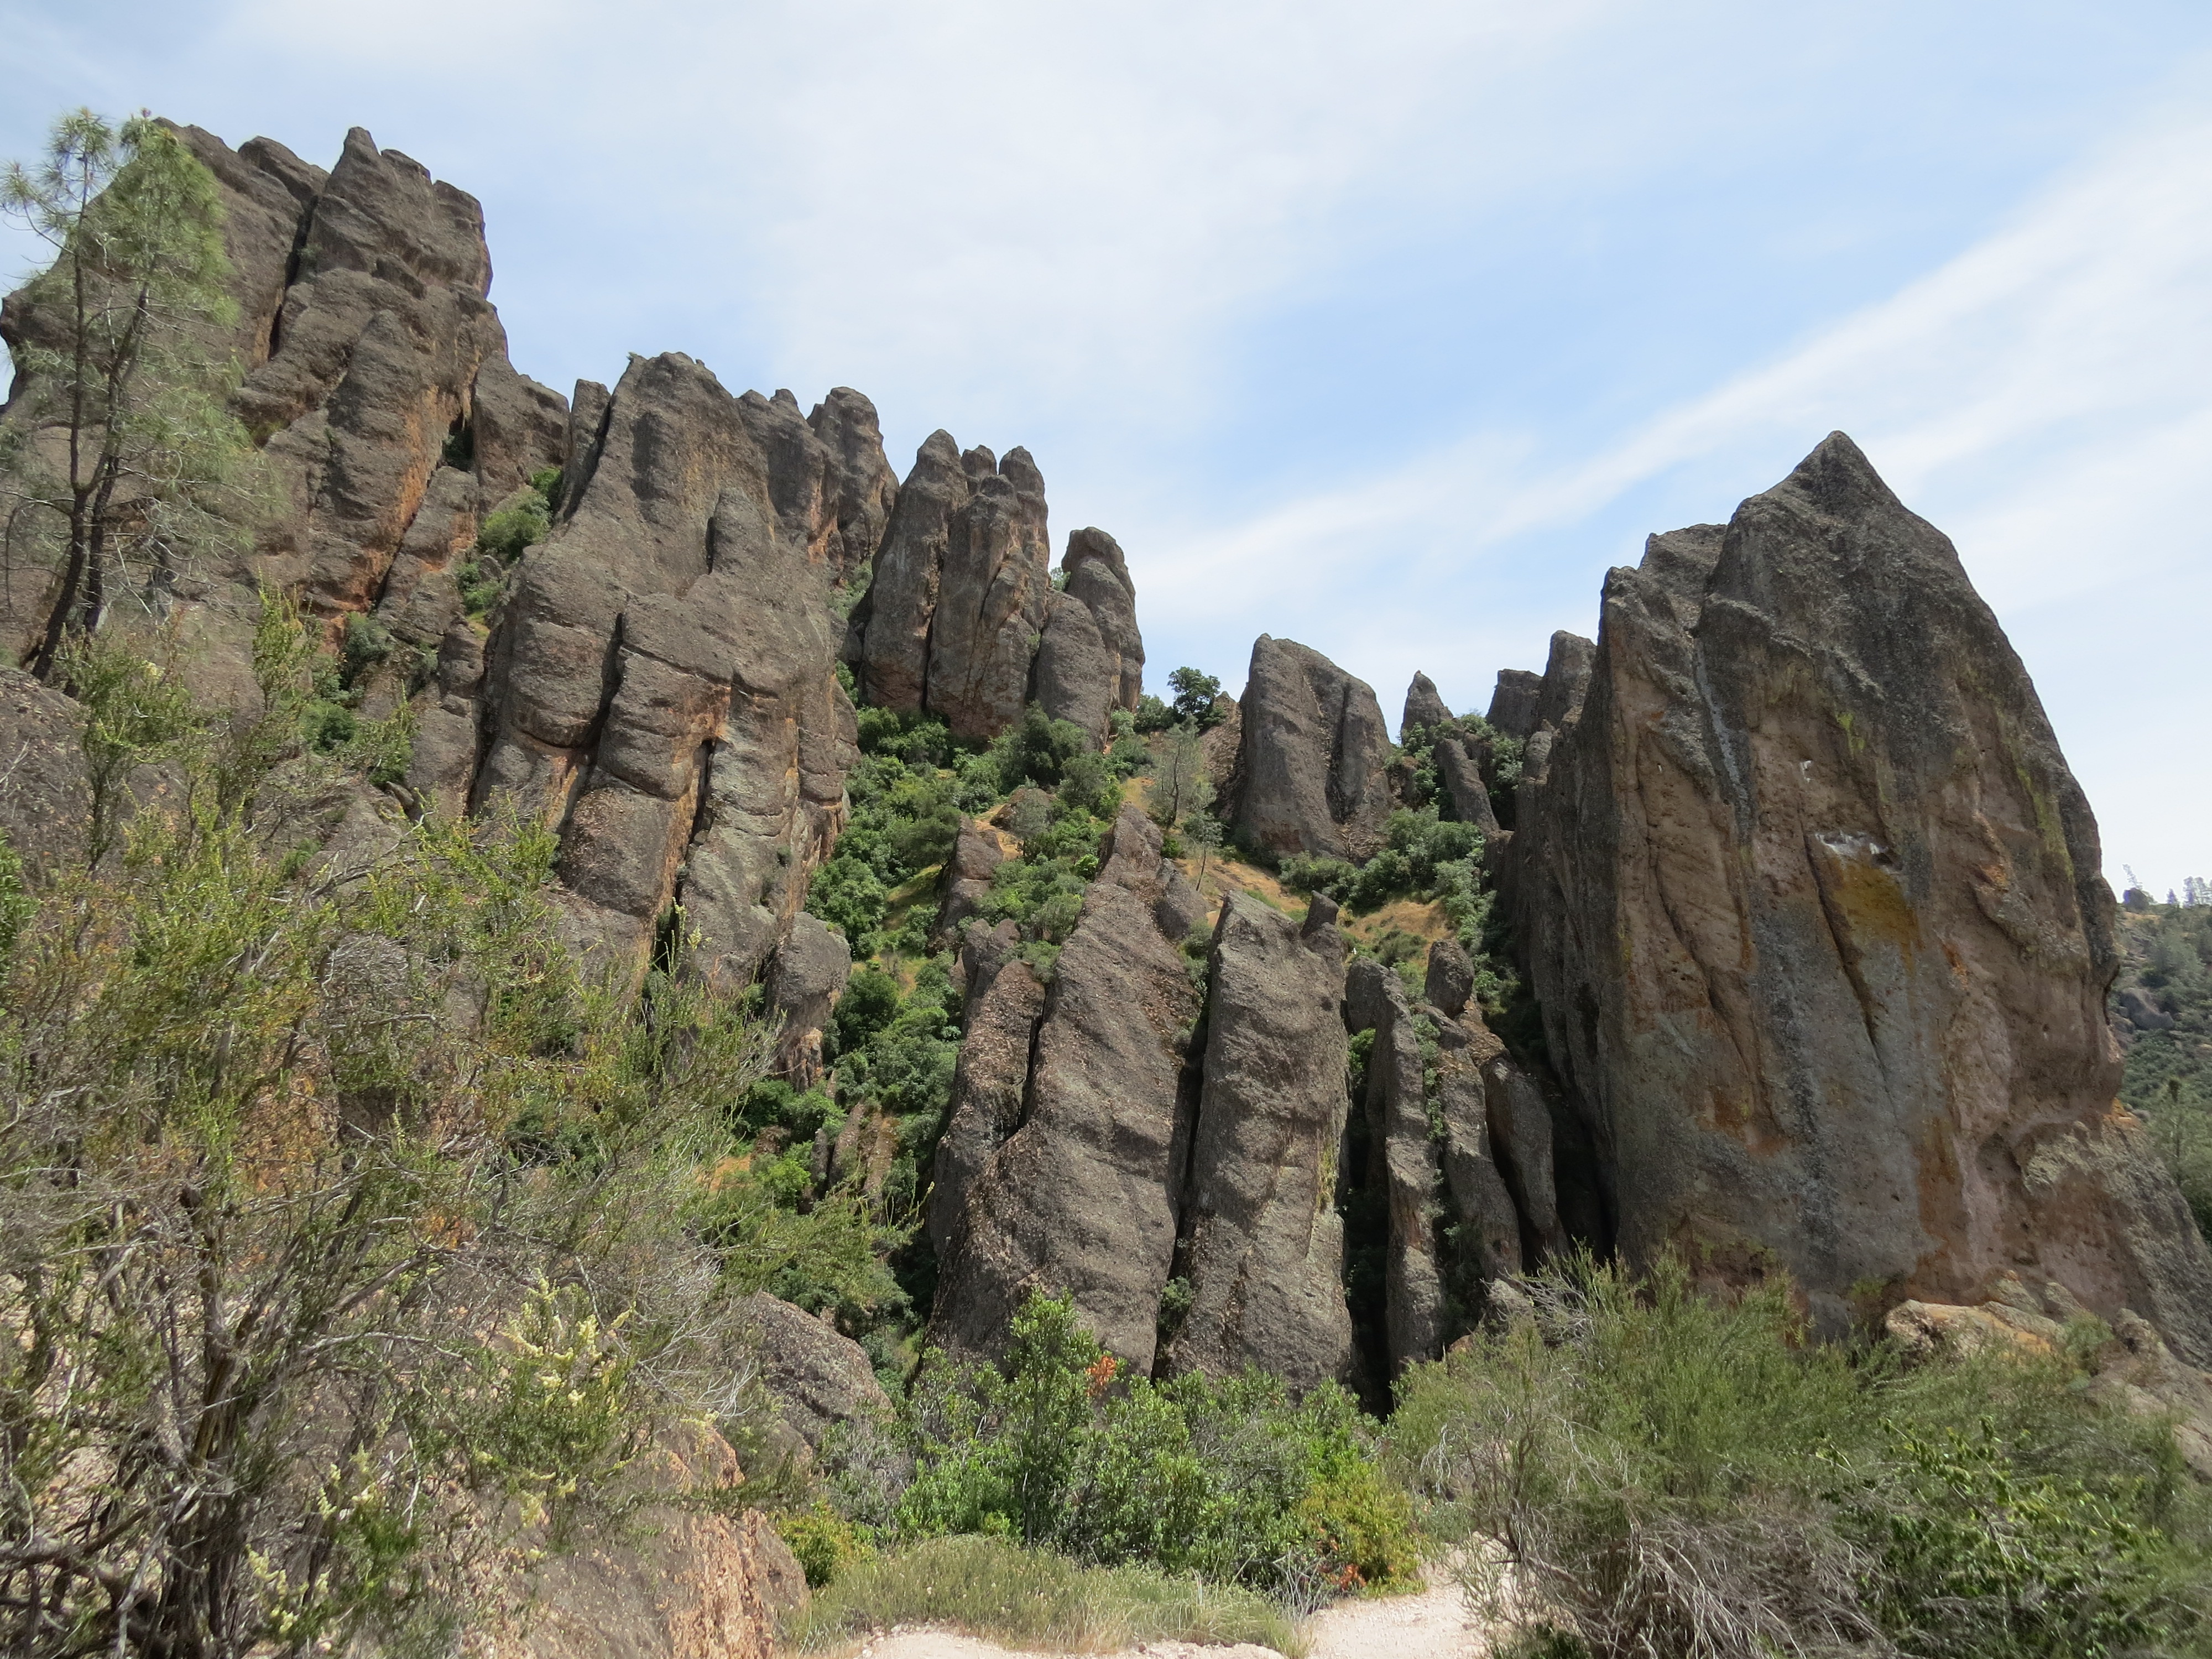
{"x":1812,"y":906}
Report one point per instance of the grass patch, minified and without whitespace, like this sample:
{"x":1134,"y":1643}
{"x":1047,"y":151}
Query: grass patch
{"x":990,"y":1587}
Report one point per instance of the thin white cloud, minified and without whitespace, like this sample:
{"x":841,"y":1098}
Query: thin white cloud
{"x":2043,"y":397}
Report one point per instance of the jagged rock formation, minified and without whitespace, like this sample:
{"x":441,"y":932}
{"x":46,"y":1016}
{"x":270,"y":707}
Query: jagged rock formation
{"x":1822,"y":947}
{"x":1424,"y":706}
{"x":832,"y":486}
{"x":661,"y":682}
{"x":962,"y":620}
{"x":1311,"y":753}
{"x":1462,"y":771}
{"x":810,"y":970}
{"x":1263,"y":1246}
{"x":1401,"y":1160}
{"x":1513,"y":701}
{"x":1091,"y":660}
{"x":1082,"y":1197}
{"x":991,"y":1083}
{"x":378,"y":383}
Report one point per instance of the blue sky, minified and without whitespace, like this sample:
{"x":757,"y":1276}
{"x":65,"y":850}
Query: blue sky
{"x":1387,"y":329}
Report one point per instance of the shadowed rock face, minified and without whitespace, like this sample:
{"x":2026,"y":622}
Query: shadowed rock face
{"x":1263,"y":1245}
{"x":1308,"y":776}
{"x":1822,"y":945}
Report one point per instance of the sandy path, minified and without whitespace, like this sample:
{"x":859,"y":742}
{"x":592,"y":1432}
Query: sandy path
{"x":1433,"y":1624}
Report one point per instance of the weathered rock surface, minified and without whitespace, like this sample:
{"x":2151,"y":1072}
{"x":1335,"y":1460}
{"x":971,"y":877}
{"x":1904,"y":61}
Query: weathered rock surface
{"x":961,"y":619}
{"x":1424,"y":706}
{"x":661,"y":683}
{"x":1401,"y":1162}
{"x":976,"y":855}
{"x":1513,"y":701}
{"x":1308,"y":776}
{"x":1082,"y":1197}
{"x":829,"y":481}
{"x":1450,"y":978}
{"x":673,"y":1577}
{"x":378,"y":383}
{"x":1467,"y":793}
{"x":45,"y":787}
{"x":812,"y":967}
{"x":818,"y":1378}
{"x":1092,"y":660}
{"x":1823,"y":947}
{"x":1263,"y":1246}
{"x":989,"y":1086}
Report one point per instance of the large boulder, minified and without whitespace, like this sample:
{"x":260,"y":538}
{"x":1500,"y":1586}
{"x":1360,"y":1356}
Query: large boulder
{"x":811,"y":966}
{"x":1082,"y":1198}
{"x":1823,"y":947}
{"x":818,"y":1380}
{"x":1309,"y":771}
{"x":1263,"y":1246}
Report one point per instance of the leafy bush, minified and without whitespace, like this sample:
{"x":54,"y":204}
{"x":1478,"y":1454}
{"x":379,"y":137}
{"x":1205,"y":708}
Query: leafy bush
{"x":1153,"y":715}
{"x":1674,"y":1476}
{"x":1230,"y":1481}
{"x":1036,"y":750}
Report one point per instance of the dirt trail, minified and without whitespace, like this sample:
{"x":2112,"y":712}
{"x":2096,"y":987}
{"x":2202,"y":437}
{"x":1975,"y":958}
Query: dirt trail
{"x":1433,"y":1624}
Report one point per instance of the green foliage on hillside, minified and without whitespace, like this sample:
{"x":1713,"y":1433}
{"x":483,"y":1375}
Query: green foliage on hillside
{"x":2169,"y":1073}
{"x":1232,"y":1479}
{"x":1671,"y":1474}
{"x":356,"y":1242}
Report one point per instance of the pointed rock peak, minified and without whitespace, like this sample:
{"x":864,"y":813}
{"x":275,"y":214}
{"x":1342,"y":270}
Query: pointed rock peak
{"x":1423,"y":706}
{"x":979,"y":463}
{"x":1839,"y":481}
{"x":783,"y":395}
{"x":1020,"y":469}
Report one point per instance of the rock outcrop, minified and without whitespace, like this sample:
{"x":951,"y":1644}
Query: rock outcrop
{"x":1513,"y":701}
{"x":1312,"y":750}
{"x":1091,"y":660}
{"x":675,"y":1575}
{"x":818,"y":1380}
{"x":1401,"y":1161}
{"x":962,"y":620}
{"x":377,"y":382}
{"x":661,"y":683}
{"x":812,"y":967}
{"x":1425,"y":707}
{"x":1824,"y":946}
{"x":1263,"y":1245}
{"x":1082,"y":1197}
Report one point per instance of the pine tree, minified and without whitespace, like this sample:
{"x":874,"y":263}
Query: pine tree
{"x":120,"y":464}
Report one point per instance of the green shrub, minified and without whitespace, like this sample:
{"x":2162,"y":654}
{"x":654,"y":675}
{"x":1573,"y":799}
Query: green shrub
{"x":1230,"y":1481}
{"x":1036,"y":750}
{"x":1153,"y":715}
{"x":506,"y":533}
{"x":1675,"y":1475}
{"x":824,"y":1541}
